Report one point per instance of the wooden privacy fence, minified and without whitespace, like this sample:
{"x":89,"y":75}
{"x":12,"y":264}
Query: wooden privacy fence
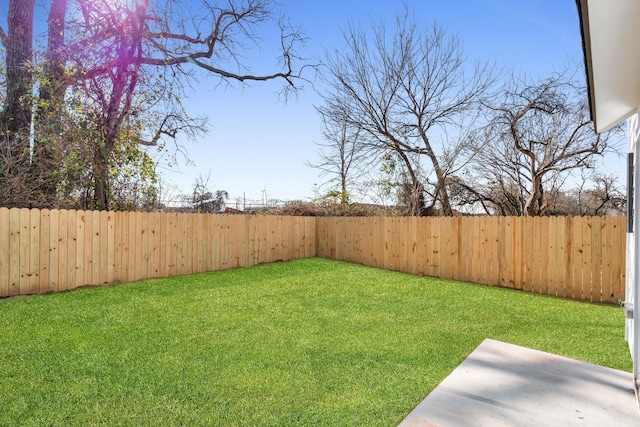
{"x":575,"y":257}
{"x":54,"y":250}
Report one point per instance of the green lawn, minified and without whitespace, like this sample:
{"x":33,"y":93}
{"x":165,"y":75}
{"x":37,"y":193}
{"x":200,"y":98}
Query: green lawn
{"x":308,"y":342}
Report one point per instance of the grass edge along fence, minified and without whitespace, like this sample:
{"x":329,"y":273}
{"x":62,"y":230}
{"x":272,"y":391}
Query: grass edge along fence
{"x":53,"y":250}
{"x":581,"y":258}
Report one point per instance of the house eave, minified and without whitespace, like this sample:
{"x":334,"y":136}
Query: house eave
{"x":609,"y":36}
{"x":583,"y":14}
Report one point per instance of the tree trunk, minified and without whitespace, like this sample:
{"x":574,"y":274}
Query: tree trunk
{"x":48,"y":146}
{"x":100,"y":184}
{"x":415,"y":204}
{"x":442,"y":187}
{"x":533,"y":205}
{"x":344,"y":195}
{"x":16,"y":116}
{"x":413,"y":197}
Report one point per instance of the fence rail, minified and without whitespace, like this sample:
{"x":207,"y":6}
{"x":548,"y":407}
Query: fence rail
{"x":53,"y":250}
{"x":575,"y":257}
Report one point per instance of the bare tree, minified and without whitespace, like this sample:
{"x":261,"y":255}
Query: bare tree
{"x":498,"y":195}
{"x":407,"y":91}
{"x":597,"y":194}
{"x":494,"y":181}
{"x":604,"y":197}
{"x":212,"y":36}
{"x":343,"y":151}
{"x":538,"y":134}
{"x":204,"y":200}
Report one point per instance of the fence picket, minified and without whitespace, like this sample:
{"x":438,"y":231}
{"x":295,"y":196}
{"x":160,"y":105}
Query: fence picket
{"x":607,"y":282}
{"x":72,"y":248}
{"x":5,"y":252}
{"x":126,"y":250}
{"x":535,"y":257}
{"x":141,"y":244}
{"x":520,"y":253}
{"x":576,"y":262}
{"x":104,"y":247}
{"x":80,"y":249}
{"x":96,"y":259}
{"x":118,"y":247}
{"x":54,"y":241}
{"x":570,"y":290}
{"x":437,"y":250}
{"x":87,"y":218}
{"x":587,"y":286}
{"x":24,"y":251}
{"x":529,"y":261}
{"x":311,"y":237}
{"x":596,"y":259}
{"x":552,"y":250}
{"x":34,"y":251}
{"x":617,"y":256}
{"x":63,"y":264}
{"x":561,"y":264}
{"x":172,"y":245}
{"x":111,"y":246}
{"x":45,"y":225}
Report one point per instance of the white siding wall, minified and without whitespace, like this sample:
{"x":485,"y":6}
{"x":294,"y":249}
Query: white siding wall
{"x":632,"y":328}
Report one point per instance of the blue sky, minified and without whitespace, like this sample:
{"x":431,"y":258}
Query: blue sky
{"x":257,"y":143}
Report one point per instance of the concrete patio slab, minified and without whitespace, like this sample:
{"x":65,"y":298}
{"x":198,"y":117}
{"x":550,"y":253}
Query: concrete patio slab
{"x":502,"y":384}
